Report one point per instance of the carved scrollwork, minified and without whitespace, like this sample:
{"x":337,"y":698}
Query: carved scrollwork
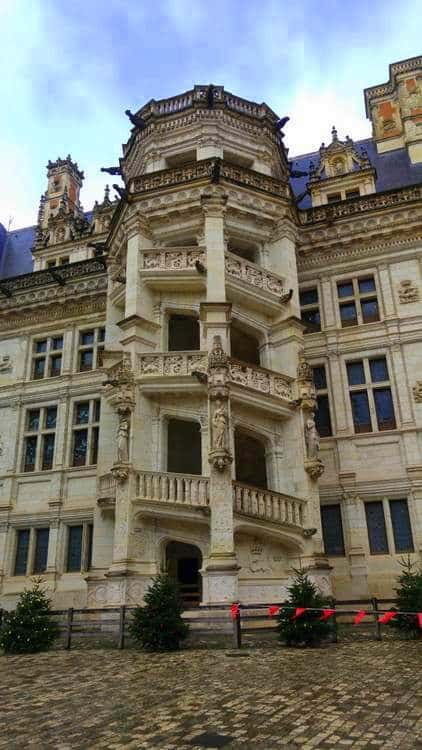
{"x":408,"y":292}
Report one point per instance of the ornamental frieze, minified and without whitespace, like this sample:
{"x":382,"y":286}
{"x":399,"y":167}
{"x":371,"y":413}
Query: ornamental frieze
{"x":53,"y":312}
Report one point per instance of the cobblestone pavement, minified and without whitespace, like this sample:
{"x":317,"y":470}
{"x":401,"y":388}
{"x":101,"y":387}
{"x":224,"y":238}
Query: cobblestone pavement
{"x":359,"y":695}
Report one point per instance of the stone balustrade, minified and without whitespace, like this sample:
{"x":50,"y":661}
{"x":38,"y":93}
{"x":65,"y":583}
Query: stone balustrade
{"x":268,"y":505}
{"x":244,"y":270}
{"x":362,"y":204}
{"x":265,"y":381}
{"x":163,"y":487}
{"x":171,"y":363}
{"x":173,"y":259}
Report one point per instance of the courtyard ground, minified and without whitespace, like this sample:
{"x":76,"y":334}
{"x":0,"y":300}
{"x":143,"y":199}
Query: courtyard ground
{"x":351,"y":695}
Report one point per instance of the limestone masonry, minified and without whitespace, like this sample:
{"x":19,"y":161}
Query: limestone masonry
{"x":218,"y":370}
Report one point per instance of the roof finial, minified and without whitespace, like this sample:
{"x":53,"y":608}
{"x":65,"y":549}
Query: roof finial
{"x":334,"y":133}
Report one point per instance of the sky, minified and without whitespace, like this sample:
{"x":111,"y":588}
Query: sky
{"x":70,"y":69}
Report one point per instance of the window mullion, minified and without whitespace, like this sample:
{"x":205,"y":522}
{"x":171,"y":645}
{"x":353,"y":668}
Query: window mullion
{"x":388,"y":526}
{"x":31,"y":551}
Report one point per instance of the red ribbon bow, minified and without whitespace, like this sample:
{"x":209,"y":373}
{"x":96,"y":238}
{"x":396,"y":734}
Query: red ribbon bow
{"x":326,"y":614}
{"x":234,"y":611}
{"x":273,"y":610}
{"x":386,"y":617}
{"x":359,"y":617}
{"x":419,"y":616}
{"x":298,"y":612}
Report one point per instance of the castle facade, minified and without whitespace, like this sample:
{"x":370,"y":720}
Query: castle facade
{"x":218,"y":370}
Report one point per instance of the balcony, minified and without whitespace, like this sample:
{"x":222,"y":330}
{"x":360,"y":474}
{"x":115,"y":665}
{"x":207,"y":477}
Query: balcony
{"x":252,"y":285}
{"x":174,"y":268}
{"x":171,"y":371}
{"x":267,"y":505}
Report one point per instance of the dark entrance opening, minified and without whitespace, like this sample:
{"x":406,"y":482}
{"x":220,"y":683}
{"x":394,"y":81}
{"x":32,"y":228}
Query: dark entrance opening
{"x":244,"y":346}
{"x":183,"y":562}
{"x":250,"y":460}
{"x":183,"y":333}
{"x":184,"y":447}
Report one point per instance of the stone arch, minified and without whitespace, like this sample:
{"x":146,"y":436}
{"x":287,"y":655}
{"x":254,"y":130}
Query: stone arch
{"x":250,"y":450}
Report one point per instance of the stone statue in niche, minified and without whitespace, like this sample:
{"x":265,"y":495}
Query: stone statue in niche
{"x":123,"y":440}
{"x":219,"y":427}
{"x":311,"y":438}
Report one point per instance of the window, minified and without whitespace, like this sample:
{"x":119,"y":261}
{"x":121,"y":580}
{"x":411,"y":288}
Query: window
{"x":91,"y":345}
{"x":352,"y":193}
{"x":31,"y":551}
{"x":64,"y":260}
{"x":184,"y":452}
{"x":183,"y":333}
{"x":47,"y":358}
{"x":333,"y":197}
{"x":39,"y":438}
{"x":86,"y":424}
{"x":332,"y":530}
{"x":322,"y":416}
{"x":402,"y":530}
{"x":309,"y":305}
{"x":22,"y":550}
{"x":79,"y":548}
{"x":372,"y":406}
{"x":358,"y":301}
{"x":377,"y":533}
{"x":391,"y":515}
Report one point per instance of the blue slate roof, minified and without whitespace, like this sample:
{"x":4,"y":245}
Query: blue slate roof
{"x":16,"y":251}
{"x":394,"y":169}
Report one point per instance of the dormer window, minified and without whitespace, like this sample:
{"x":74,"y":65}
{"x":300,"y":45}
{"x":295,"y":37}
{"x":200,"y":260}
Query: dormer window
{"x":352,"y":193}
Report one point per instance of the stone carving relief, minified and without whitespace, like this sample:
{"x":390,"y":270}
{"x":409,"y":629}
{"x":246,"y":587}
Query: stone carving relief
{"x":6,"y":363}
{"x":306,"y":388}
{"x":258,"y":562}
{"x":123,"y":440}
{"x":119,"y":389}
{"x":311,"y":438}
{"x":417,"y":392}
{"x":246,"y":271}
{"x":408,"y":292}
{"x":219,"y":427}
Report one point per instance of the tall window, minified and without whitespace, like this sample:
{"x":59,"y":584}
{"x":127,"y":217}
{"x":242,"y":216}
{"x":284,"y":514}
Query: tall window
{"x":309,"y":307}
{"x":392,"y":515}
{"x":372,"y":404}
{"x":332,"y":529}
{"x":31,"y":551}
{"x":358,"y":301}
{"x":39,"y":439}
{"x":322,"y":416}
{"x":47,"y":357}
{"x":86,"y":424}
{"x":79,"y":548}
{"x":91,"y":345}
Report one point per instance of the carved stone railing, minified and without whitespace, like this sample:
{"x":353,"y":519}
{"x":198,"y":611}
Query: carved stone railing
{"x":244,"y":270}
{"x":264,"y":381}
{"x":173,"y":259}
{"x":199,"y":96}
{"x":354,"y":206}
{"x":184,"y":489}
{"x":207,"y":169}
{"x":268,"y":505}
{"x":170,"y":363}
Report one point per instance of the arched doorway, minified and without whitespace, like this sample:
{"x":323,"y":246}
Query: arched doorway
{"x":183,"y":562}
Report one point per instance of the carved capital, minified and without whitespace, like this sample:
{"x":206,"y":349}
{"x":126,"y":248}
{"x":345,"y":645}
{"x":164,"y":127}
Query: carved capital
{"x":214,"y":201}
{"x":220,"y":459}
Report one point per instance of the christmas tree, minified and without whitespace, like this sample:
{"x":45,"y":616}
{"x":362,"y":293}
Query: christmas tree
{"x":29,"y":628}
{"x":158,"y":626}
{"x":307,"y":629}
{"x":409,"y":599}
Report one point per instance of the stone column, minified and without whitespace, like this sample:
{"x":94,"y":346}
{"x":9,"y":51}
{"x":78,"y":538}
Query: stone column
{"x":214,"y":201}
{"x":220,"y":575}
{"x":281,"y":250}
{"x":356,"y":534}
{"x":4,"y":528}
{"x":52,"y":546}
